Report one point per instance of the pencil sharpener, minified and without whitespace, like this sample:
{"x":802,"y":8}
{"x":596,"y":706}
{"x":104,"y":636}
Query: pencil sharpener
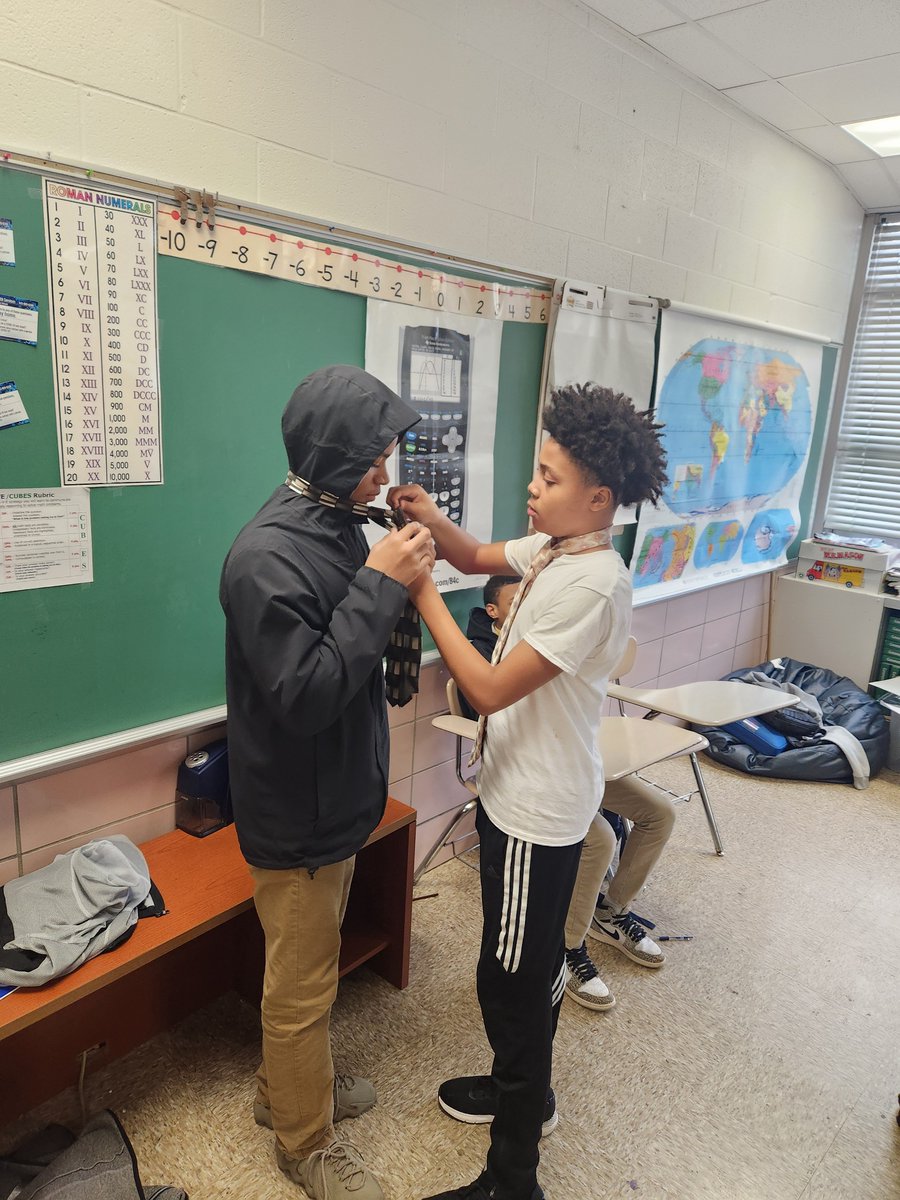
{"x":202,"y":791}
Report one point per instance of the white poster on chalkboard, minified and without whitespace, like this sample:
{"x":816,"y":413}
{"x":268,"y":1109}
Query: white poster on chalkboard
{"x":101,"y":261}
{"x":45,"y":538}
{"x":448,"y":369}
{"x":603,"y":336}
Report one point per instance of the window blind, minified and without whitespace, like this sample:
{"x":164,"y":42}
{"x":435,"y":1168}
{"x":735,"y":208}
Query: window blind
{"x":864,"y":494}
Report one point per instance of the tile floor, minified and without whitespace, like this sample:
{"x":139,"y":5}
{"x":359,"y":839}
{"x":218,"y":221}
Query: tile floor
{"x":761,"y":1063}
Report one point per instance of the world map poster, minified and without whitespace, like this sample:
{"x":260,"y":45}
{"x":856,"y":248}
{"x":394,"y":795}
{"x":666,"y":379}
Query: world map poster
{"x":738,"y":407}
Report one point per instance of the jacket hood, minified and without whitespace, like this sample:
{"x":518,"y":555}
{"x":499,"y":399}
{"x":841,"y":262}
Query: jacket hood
{"x":337,"y":422}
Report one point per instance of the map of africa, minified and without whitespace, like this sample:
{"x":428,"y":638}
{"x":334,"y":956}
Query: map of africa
{"x":738,"y":422}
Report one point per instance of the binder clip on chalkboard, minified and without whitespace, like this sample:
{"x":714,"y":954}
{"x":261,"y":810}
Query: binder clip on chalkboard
{"x":202,"y":793}
{"x":183,"y":200}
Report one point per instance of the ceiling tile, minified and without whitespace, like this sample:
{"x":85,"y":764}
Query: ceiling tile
{"x":787,"y":37}
{"x":892,"y":166}
{"x":857,"y":92}
{"x":776,"y":105}
{"x":637,"y":16}
{"x":833,"y":143}
{"x":871,"y":183}
{"x":694,"y":10}
{"x":695,"y":51}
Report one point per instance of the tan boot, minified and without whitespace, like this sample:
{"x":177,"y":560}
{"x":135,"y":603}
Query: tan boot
{"x":335,"y":1173}
{"x":352,"y":1097}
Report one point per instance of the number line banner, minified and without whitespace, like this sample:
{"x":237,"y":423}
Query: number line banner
{"x":264,"y":251}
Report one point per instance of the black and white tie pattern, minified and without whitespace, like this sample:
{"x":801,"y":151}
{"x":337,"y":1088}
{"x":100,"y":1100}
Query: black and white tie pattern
{"x":404,"y":651}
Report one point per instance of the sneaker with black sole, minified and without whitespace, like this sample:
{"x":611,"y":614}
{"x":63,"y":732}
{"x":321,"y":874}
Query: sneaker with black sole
{"x":473,"y":1099}
{"x":335,"y":1173}
{"x":628,"y":933}
{"x":352,"y":1097}
{"x":481,"y":1189}
{"x":583,"y":982}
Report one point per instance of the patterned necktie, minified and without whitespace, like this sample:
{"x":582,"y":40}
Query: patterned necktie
{"x":404,"y":651}
{"x":553,"y":549}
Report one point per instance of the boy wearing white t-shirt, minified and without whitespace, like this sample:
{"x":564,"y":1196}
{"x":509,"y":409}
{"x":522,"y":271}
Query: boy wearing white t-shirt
{"x":541,"y":776}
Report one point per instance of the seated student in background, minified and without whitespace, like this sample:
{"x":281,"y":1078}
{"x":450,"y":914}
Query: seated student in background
{"x":652,"y":815}
{"x":541,"y":777}
{"x":611,"y":920}
{"x":309,"y":613}
{"x":485,"y":623}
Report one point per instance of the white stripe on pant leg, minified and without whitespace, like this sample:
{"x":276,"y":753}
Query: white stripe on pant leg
{"x":523,"y":890}
{"x":504,"y":911}
{"x":515,"y":902}
{"x":508,"y":873}
{"x":559,"y":986}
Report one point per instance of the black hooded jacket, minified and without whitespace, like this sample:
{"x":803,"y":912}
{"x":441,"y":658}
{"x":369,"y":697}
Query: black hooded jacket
{"x":306,"y":626}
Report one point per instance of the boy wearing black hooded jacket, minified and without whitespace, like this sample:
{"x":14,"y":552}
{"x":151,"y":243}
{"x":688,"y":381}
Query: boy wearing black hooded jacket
{"x":309,"y":613}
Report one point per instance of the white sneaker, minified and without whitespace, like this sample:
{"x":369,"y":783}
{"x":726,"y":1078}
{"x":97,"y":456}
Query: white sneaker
{"x":627,"y":933}
{"x":583,"y":982}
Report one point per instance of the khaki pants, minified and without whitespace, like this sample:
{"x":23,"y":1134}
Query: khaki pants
{"x":301,"y":917}
{"x":652,"y":815}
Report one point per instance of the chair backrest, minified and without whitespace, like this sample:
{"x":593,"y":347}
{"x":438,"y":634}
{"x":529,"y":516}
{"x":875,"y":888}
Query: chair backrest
{"x":453,"y":699}
{"x":626,"y":662}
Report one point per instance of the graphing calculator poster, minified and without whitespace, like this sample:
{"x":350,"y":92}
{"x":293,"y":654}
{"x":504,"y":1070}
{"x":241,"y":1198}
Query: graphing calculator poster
{"x":448,"y":370}
{"x":738,"y":406}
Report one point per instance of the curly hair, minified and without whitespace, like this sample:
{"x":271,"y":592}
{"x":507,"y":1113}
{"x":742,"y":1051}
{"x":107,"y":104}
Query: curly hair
{"x":612,"y":443}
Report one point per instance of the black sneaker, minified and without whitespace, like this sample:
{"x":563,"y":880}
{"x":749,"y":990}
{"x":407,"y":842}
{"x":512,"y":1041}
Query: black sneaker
{"x":481,"y":1189}
{"x":473,"y":1099}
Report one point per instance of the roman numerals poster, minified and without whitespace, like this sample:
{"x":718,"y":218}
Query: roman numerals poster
{"x":102,"y":268}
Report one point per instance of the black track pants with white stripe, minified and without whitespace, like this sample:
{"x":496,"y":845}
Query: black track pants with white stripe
{"x":525,"y":894}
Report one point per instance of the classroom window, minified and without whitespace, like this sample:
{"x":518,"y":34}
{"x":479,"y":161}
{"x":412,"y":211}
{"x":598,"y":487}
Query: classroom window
{"x":863,"y":495}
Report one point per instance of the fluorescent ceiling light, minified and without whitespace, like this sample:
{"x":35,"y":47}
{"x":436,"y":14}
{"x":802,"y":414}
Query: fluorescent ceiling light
{"x":882,"y":136}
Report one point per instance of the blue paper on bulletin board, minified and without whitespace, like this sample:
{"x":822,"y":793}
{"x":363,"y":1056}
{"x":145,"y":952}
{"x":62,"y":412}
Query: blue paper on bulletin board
{"x":18,"y":320}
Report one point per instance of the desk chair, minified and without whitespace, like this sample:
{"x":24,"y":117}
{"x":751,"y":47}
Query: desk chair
{"x":628,"y":745}
{"x":453,"y":722}
{"x":709,"y":702}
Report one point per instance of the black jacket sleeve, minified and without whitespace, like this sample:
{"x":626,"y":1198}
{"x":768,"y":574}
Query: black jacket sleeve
{"x":307,"y":676}
{"x":486,"y":650}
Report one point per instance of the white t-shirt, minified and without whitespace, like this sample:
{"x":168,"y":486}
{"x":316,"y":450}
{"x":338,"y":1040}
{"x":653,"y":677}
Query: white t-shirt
{"x":541,"y":777}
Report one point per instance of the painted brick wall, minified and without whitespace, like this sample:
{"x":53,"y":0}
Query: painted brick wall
{"x":532,"y":133}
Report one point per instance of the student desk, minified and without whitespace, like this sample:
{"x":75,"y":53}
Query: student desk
{"x":209,"y":942}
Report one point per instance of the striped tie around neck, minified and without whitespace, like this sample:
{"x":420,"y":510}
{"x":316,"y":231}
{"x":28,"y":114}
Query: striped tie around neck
{"x":403,"y":654}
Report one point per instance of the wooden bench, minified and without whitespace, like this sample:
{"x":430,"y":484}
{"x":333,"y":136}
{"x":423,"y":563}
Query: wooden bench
{"x":209,"y":943}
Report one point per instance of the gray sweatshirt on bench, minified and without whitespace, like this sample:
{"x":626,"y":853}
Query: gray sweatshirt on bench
{"x":71,"y":910}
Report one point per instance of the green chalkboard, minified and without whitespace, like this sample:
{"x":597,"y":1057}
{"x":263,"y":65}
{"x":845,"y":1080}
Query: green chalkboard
{"x":144,"y":641}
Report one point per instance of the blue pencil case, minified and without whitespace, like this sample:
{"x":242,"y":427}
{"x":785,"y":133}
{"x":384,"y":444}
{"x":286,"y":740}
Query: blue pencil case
{"x":754,"y":733}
